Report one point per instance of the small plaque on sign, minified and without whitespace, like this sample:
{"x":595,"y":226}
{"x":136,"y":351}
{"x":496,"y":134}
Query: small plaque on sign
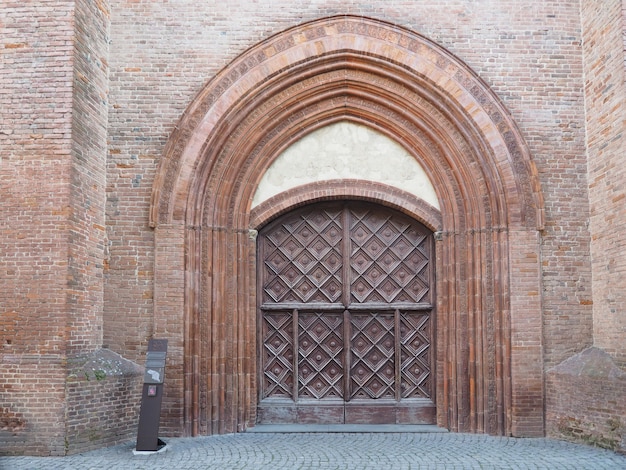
{"x":154,"y":375}
{"x":157,"y":345}
{"x":156,"y":355}
{"x":152,"y":390}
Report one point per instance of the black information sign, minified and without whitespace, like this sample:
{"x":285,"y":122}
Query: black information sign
{"x":152,"y":396}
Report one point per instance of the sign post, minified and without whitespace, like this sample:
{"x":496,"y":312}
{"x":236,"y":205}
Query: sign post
{"x":151,"y":398}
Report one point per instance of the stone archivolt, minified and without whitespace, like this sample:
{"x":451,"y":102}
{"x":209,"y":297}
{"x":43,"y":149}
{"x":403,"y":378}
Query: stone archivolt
{"x":416,"y":93}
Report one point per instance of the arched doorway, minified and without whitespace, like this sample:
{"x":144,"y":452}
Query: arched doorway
{"x":488,"y":348}
{"x":346,"y":317}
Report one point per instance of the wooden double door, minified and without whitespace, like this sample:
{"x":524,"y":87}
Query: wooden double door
{"x":346,"y":317}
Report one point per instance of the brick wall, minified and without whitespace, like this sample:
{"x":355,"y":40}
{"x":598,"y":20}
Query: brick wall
{"x":103,"y":390}
{"x":605,"y":87}
{"x":32,"y":404}
{"x":528,"y":52}
{"x":53,"y":109}
{"x":584,"y":394}
{"x":36,"y":71}
{"x":87,"y":177}
{"x":585,"y":400}
{"x":103,"y":398}
{"x":36,"y":116}
{"x":77,"y":253}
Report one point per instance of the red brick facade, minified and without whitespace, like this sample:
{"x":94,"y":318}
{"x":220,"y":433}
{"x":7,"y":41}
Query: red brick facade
{"x":586,"y":392}
{"x":134,"y":134}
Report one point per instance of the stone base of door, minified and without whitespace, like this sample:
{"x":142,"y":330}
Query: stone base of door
{"x":413,"y":412}
{"x":346,"y":428}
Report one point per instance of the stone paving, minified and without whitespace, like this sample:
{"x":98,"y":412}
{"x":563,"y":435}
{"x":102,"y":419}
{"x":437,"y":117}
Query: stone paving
{"x":341,"y":451}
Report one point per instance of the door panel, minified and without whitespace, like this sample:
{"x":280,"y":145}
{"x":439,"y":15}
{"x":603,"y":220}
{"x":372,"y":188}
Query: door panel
{"x":415,"y":356}
{"x":345,"y":317}
{"x":303,"y":259}
{"x":320,"y":356}
{"x":277,"y":355}
{"x":388,"y":258}
{"x":372,"y":347}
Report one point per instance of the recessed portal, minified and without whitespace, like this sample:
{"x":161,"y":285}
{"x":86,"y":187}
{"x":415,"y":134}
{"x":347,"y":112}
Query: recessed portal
{"x":346,"y":317}
{"x":488,"y":347}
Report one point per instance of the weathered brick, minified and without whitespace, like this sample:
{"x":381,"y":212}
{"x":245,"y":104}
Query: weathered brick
{"x":90,"y":92}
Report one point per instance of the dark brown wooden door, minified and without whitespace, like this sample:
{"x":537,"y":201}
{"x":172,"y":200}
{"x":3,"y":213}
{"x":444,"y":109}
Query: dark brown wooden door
{"x":346,"y":317}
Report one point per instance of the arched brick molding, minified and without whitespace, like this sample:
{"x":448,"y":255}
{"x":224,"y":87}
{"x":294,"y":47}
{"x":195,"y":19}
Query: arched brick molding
{"x":347,"y":189}
{"x":489,"y":365}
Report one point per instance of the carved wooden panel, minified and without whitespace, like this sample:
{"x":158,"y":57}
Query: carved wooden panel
{"x":389,"y":258}
{"x":346,"y":289}
{"x":415,"y":355}
{"x":320,"y":355}
{"x":277,"y":354}
{"x":372,"y":346}
{"x":303,"y":259}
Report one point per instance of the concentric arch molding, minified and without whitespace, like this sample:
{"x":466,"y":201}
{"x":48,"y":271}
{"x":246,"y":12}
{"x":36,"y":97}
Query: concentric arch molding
{"x":350,"y":43}
{"x":367,"y":72}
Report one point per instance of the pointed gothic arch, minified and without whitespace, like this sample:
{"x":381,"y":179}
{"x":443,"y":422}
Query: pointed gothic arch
{"x":488,"y":355}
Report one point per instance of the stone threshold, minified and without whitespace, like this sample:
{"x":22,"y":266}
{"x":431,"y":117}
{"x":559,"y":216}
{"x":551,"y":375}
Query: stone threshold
{"x":346,"y":428}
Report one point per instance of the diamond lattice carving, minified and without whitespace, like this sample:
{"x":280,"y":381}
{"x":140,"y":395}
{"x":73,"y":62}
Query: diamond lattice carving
{"x":373,"y":351}
{"x":415,"y":358}
{"x":320,"y":360}
{"x":304,"y":252}
{"x":307,"y":258}
{"x":389,"y":260}
{"x":277,"y":355}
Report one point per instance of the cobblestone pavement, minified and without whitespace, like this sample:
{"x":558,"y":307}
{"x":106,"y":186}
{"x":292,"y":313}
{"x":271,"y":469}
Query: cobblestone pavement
{"x":343,"y":451}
